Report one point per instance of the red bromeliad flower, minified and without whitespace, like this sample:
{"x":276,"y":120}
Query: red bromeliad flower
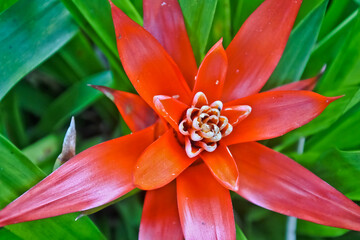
{"x":203,"y":143}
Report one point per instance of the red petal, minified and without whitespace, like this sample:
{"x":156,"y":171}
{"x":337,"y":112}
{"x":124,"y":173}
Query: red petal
{"x":149,"y":67}
{"x":170,"y":109}
{"x":160,"y":217}
{"x":164,"y":20}
{"x":161,"y":163}
{"x":136,"y":113}
{"x":275,"y":113}
{"x":205,"y":207}
{"x":307,"y":84}
{"x":274,"y":181}
{"x":258,"y":46}
{"x":236,"y":114}
{"x":92,"y":178}
{"x":222,"y":166}
{"x":212,"y":71}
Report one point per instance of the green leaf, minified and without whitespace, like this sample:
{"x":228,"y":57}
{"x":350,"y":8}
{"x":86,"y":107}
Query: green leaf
{"x":18,"y":174}
{"x":294,"y":58}
{"x":97,"y":14}
{"x":94,"y":17}
{"x":32,"y":99}
{"x":221,"y":27}
{"x":326,"y":50}
{"x":129,"y":9}
{"x":243,"y":10}
{"x":306,"y":7}
{"x":13,"y":120}
{"x":317,"y":230}
{"x":44,"y":152}
{"x":73,"y":62}
{"x":72,"y":101}
{"x":78,"y":53}
{"x":6,"y":4}
{"x":130,"y":210}
{"x":343,"y":134}
{"x":239,"y":234}
{"x":59,"y":70}
{"x":6,"y":234}
{"x":199,"y":16}
{"x":27,"y":38}
{"x":337,"y":12}
{"x":346,"y":61}
{"x":341,"y":169}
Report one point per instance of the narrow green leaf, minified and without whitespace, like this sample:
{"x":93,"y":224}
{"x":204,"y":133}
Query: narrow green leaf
{"x":337,"y":12}
{"x":326,"y":50}
{"x":6,"y":4}
{"x":13,"y":119}
{"x":199,"y":16}
{"x":317,"y":230}
{"x":94,"y":17}
{"x":18,"y":174}
{"x":43,"y":149}
{"x":73,"y":62}
{"x":59,"y":70}
{"x":43,"y":30}
{"x":307,"y":6}
{"x":32,"y":99}
{"x":221,"y":27}
{"x":345,"y":62}
{"x":243,"y":10}
{"x":354,"y":100}
{"x":6,"y":234}
{"x":294,"y":58}
{"x":72,"y":101}
{"x":78,"y":53}
{"x":130,"y":211}
{"x":239,"y":233}
{"x":129,"y":9}
{"x":343,"y":134}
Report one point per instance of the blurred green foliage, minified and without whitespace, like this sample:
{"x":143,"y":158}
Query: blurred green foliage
{"x":51,"y":49}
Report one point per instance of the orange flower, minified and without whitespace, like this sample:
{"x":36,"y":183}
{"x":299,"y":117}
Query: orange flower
{"x":203,"y":143}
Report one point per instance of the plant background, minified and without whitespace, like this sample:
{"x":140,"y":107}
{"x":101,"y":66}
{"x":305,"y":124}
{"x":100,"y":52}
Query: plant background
{"x":51,"y":49}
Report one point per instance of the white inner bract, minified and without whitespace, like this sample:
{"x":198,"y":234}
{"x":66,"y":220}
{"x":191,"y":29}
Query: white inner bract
{"x":203,"y":126}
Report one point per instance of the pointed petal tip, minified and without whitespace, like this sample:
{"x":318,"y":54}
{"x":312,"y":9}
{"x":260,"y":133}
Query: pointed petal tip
{"x":323,"y":69}
{"x":233,"y":186}
{"x":108,"y":92}
{"x":111,"y":3}
{"x":199,"y":100}
{"x":157,"y":101}
{"x":220,"y":42}
{"x":80,"y":216}
{"x":332,"y":99}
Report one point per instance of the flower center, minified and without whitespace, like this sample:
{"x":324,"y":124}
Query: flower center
{"x":203,"y":126}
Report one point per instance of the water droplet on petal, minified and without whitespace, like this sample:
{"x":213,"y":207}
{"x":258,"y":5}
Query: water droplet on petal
{"x":163,"y":4}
